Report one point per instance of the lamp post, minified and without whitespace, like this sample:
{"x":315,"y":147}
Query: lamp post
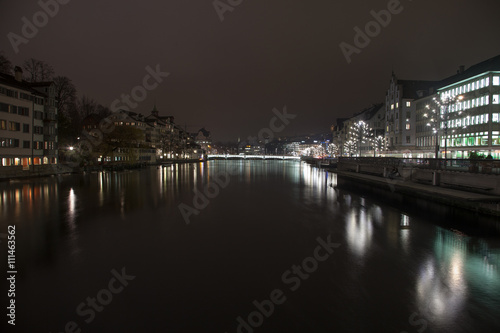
{"x":442,"y":114}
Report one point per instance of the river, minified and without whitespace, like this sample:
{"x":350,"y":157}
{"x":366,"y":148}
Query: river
{"x":241,"y":246}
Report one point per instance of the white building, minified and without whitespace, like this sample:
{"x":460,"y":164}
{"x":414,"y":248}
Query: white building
{"x":28,"y":124}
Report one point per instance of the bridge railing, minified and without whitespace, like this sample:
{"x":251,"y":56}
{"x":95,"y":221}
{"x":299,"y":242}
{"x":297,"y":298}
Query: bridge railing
{"x":263,"y":157}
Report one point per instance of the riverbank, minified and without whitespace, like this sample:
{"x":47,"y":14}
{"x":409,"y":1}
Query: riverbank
{"x":471,"y":201}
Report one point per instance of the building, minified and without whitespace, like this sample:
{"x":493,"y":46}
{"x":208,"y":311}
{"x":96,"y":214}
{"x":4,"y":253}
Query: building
{"x":135,"y":138}
{"x":472,"y":124}
{"x":400,"y":113}
{"x":28,"y":124}
{"x":204,"y":140}
{"x":357,"y":136}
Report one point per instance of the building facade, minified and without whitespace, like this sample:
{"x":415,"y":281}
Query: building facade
{"x":28,"y":124}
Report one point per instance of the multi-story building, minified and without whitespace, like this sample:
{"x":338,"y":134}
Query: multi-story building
{"x":204,"y":140}
{"x":355,"y":136}
{"x":472,"y":123}
{"x":426,"y":128}
{"x":400,"y":113}
{"x":28,"y":126}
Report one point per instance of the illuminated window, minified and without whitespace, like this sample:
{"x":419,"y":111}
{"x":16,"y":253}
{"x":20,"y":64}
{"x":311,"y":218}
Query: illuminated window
{"x":392,"y":106}
{"x":487,"y":83}
{"x":407,"y":126}
{"x":496,"y":80}
{"x":408,"y":104}
{"x":496,"y":99}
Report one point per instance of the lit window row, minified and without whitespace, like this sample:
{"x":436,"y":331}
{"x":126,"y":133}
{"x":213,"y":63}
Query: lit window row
{"x":472,"y":103}
{"x":470,"y":120}
{"x":472,"y":86}
{"x":468,"y":140}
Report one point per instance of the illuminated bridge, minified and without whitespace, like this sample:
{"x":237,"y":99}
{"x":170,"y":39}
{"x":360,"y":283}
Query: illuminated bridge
{"x":252,"y":157}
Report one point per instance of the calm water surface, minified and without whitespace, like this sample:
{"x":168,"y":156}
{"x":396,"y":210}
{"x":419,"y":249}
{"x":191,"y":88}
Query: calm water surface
{"x":396,"y":268}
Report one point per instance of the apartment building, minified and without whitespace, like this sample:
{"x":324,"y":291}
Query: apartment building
{"x":28,"y":124}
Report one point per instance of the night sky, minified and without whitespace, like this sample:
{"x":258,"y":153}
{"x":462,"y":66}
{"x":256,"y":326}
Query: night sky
{"x":228,"y":76}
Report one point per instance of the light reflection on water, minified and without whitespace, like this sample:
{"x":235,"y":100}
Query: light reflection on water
{"x":445,"y":270}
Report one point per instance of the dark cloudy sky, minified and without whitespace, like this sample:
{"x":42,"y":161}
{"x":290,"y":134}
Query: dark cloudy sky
{"x":228,"y":76}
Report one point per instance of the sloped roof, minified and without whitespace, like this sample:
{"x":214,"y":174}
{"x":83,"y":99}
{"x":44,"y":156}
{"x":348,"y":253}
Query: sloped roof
{"x":10,"y":80}
{"x":412,"y":87}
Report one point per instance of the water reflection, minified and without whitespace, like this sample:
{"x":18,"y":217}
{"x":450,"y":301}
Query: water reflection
{"x":441,"y":272}
{"x":359,"y":231}
{"x":445,"y":279}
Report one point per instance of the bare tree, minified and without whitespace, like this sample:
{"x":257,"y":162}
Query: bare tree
{"x":65,"y":94}
{"x":103,"y":111}
{"x":5,"y":65}
{"x":38,"y":70}
{"x":86,"y":106}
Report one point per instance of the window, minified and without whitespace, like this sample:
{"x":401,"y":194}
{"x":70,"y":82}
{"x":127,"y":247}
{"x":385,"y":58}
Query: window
{"x":407,"y":126}
{"x":408,"y":139}
{"x":26,"y":128}
{"x":3,"y":124}
{"x":26,"y":144}
{"x":397,"y":105}
{"x":496,"y":80}
{"x":392,"y":106}
{"x":13,"y":126}
{"x":496,"y":99}
{"x":4,"y":107}
{"x":23,"y":111}
{"x":408,"y":104}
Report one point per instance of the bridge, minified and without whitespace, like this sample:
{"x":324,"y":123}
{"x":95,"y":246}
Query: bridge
{"x":252,"y":157}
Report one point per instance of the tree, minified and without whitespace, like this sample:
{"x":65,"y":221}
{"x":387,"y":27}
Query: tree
{"x":65,"y":94}
{"x":333,"y":150}
{"x":379,"y":144}
{"x":440,"y":115}
{"x":350,"y":147}
{"x":360,"y":133}
{"x":86,"y":106}
{"x":38,"y":70}
{"x":127,"y":137}
{"x":5,"y":65}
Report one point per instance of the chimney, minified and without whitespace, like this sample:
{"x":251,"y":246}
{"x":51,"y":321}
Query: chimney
{"x":18,"y":74}
{"x":461,"y":69}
